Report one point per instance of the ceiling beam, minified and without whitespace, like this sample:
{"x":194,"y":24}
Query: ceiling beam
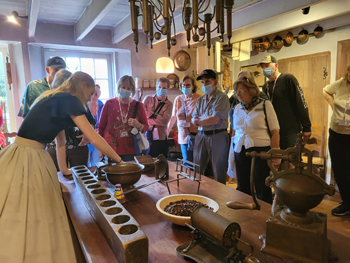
{"x":93,"y":14}
{"x":33,"y":11}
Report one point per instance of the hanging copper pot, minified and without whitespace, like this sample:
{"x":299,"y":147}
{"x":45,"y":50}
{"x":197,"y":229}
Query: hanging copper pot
{"x":318,"y":31}
{"x":303,"y":35}
{"x":277,"y":42}
{"x":266,"y":43}
{"x":259,"y":48}
{"x":289,"y":38}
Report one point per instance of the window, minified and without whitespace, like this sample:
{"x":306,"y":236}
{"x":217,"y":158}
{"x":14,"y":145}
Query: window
{"x":97,"y":65}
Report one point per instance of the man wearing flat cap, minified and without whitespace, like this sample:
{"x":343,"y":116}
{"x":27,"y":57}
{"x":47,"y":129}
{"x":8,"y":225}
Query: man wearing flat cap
{"x":35,"y":88}
{"x":210,"y":115}
{"x":288,"y":101}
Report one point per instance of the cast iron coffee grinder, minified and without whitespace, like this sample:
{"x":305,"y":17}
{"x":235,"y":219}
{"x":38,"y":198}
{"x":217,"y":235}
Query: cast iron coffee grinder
{"x":293,"y":232}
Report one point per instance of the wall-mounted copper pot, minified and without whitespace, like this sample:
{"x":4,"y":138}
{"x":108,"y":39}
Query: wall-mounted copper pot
{"x":318,"y":31}
{"x":277,"y":42}
{"x":303,"y":35}
{"x":289,"y":38}
{"x":259,"y":48}
{"x":266,"y":43}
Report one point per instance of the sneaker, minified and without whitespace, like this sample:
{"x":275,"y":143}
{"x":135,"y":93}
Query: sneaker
{"x":341,"y":210}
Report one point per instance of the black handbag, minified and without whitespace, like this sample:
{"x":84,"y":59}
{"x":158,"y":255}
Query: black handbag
{"x":149,"y":133}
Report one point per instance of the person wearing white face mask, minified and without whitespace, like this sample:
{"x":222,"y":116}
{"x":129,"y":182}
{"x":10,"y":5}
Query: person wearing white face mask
{"x":182,"y":112}
{"x":117,"y":120}
{"x":158,"y":111}
{"x":211,"y":117}
{"x":288,"y":101}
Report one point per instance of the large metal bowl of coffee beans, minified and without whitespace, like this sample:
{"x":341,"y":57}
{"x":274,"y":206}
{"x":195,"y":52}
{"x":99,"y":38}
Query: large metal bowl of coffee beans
{"x":177,"y":208}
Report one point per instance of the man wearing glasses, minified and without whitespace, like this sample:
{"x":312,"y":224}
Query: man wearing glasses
{"x":211,"y":117}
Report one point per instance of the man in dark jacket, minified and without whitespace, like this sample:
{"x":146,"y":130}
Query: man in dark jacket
{"x":288,"y":101}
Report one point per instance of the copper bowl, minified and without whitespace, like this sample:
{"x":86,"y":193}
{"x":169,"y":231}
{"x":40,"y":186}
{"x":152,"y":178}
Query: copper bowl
{"x":299,"y":192}
{"x":125,"y":174}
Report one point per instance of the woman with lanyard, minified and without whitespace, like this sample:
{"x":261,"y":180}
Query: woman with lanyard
{"x":117,"y":120}
{"x":95,"y":106}
{"x":255,"y":128}
{"x":182,"y":112}
{"x":337,"y":95}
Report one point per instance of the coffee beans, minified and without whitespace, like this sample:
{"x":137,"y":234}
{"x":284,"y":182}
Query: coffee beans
{"x":184,"y":207}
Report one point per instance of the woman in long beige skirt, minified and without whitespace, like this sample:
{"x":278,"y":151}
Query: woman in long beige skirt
{"x":33,"y":221}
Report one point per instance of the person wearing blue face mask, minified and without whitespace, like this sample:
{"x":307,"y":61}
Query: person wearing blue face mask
{"x":117,"y":121}
{"x":158,"y":111}
{"x":288,"y":101}
{"x":182,"y":113}
{"x":211,"y":117}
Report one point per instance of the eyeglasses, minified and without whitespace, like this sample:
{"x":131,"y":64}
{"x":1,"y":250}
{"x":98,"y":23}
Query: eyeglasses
{"x":240,"y":91}
{"x":186,"y":85}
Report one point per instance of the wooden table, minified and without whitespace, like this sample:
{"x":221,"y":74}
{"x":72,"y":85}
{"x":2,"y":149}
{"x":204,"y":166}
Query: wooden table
{"x":164,"y":237}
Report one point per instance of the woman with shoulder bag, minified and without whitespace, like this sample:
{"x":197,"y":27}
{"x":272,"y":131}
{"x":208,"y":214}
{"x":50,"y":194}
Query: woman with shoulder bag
{"x":158,"y":111}
{"x":117,"y":119}
{"x":255,"y":128}
{"x":182,"y":113}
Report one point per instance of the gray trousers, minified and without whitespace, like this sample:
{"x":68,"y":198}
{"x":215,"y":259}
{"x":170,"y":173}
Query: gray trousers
{"x":214,"y":148}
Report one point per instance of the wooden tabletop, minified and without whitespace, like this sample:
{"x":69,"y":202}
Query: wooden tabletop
{"x":164,"y":237}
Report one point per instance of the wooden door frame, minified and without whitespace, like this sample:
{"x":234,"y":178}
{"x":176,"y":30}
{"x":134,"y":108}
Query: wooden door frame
{"x":339,"y":57}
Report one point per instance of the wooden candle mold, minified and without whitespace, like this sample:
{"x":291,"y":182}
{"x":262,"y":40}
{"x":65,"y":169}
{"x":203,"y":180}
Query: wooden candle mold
{"x":128,"y":242}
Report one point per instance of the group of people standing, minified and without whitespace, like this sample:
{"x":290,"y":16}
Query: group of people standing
{"x":65,"y":107}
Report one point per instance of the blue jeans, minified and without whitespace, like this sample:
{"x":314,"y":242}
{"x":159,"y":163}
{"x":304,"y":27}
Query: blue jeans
{"x":186,"y":155}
